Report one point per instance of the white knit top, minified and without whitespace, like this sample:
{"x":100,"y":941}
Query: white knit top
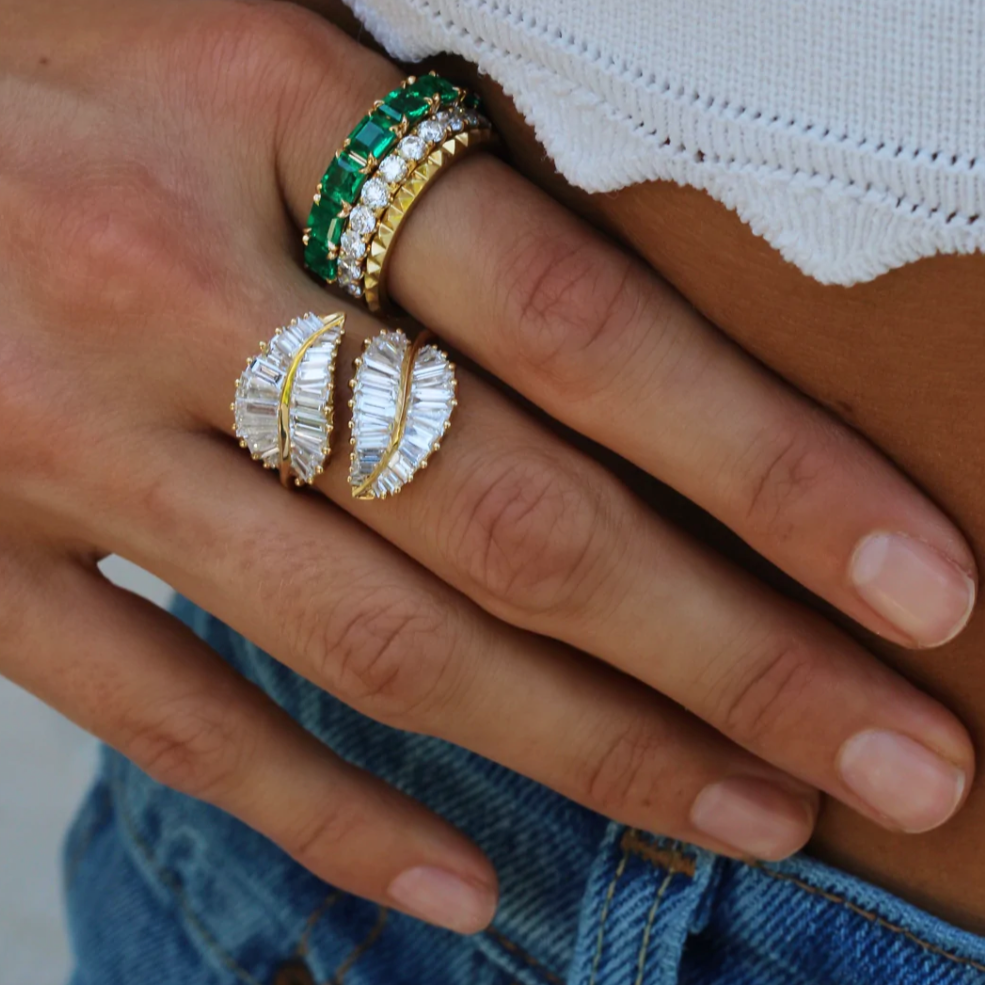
{"x":849,"y":133}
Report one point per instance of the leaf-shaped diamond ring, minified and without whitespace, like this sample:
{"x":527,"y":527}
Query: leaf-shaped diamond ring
{"x":284,"y":399}
{"x":403,"y":395}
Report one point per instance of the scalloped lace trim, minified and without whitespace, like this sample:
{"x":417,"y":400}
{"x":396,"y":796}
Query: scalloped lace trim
{"x":843,"y":204}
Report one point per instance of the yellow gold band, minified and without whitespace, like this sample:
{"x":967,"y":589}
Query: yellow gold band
{"x":455,"y":148}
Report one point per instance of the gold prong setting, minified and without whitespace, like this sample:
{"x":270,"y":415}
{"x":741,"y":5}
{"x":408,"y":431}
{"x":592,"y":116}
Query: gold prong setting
{"x":283,"y":409}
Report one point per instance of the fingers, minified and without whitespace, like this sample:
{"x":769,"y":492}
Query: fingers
{"x":598,"y":341}
{"x":544,"y":538}
{"x":336,"y":603}
{"x":135,"y":677}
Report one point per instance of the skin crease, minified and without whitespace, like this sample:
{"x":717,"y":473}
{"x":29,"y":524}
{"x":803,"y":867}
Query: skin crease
{"x":902,"y":359}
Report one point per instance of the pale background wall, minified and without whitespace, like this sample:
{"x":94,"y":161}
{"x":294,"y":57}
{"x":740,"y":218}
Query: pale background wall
{"x":45,"y":767}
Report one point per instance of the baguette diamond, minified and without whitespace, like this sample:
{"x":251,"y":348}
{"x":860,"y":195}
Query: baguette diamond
{"x":283,"y":405}
{"x":402,"y":401}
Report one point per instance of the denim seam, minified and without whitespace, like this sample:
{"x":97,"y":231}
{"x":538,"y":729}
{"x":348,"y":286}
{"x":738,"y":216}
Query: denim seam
{"x":515,"y":949}
{"x":640,"y":849}
{"x":301,"y":951}
{"x":648,"y":928}
{"x":369,"y":941}
{"x":170,"y":882}
{"x":871,"y":916}
{"x":72,"y":866}
{"x":661,"y":858}
{"x":604,"y":915}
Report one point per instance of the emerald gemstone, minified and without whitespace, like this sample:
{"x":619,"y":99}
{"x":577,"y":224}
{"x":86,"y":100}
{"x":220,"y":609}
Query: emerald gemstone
{"x":409,"y":104}
{"x":385,"y":109}
{"x":325,"y":224}
{"x":372,"y":135}
{"x":430,"y":85}
{"x":342,"y":182}
{"x":317,"y":261}
{"x":334,"y":230}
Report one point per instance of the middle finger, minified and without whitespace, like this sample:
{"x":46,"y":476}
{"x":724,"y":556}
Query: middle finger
{"x":598,"y":341}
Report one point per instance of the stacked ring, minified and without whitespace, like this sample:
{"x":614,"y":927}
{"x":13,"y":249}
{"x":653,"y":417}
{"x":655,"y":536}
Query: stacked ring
{"x":393,"y":154}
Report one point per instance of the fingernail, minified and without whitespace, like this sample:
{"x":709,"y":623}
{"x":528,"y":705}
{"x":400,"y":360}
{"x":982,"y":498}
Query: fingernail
{"x":754,"y":817}
{"x":901,"y":779}
{"x":445,"y":899}
{"x":921,"y":592}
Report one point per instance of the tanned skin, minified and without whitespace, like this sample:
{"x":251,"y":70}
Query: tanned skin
{"x":901,"y":359}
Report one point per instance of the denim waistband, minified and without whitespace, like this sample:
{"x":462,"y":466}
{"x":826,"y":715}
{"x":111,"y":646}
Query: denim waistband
{"x":584,"y":901}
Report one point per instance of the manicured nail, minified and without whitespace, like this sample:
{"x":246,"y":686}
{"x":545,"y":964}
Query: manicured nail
{"x":754,"y":817}
{"x":445,"y":899}
{"x":922,"y":593}
{"x":901,"y":779}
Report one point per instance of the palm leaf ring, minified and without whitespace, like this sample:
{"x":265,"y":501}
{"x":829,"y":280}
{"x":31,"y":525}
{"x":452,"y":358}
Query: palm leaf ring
{"x":403,"y":395}
{"x":284,"y":400}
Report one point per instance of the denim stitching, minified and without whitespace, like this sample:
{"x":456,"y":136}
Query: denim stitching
{"x":360,"y":949}
{"x":519,"y":952}
{"x":597,"y":960}
{"x":316,"y":915}
{"x":871,"y":916}
{"x":661,"y":858}
{"x":651,"y":917}
{"x":170,"y":881}
{"x":638,"y":848}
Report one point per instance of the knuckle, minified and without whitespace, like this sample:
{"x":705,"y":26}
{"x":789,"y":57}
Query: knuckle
{"x":322,"y":834}
{"x":386,"y":653}
{"x":196,"y":745}
{"x":249,"y":57}
{"x":779,"y":478}
{"x":624,"y":776}
{"x":571,"y":303}
{"x":765,"y":697}
{"x":237,"y":41}
{"x":527,"y":534}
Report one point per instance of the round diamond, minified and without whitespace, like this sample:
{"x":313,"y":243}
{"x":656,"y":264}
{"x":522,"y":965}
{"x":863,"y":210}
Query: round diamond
{"x":352,"y":245}
{"x":351,"y":270}
{"x":453,"y":120}
{"x":375,"y":194}
{"x":393,"y":169}
{"x":412,"y":148}
{"x":356,"y":290}
{"x":362,"y":220}
{"x":432,"y":131}
{"x":344,"y":280}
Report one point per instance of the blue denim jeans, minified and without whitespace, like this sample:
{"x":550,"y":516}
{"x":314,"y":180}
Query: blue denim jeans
{"x":164,"y":890}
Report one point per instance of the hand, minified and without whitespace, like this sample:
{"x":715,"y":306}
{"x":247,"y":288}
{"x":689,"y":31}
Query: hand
{"x":552,"y":623}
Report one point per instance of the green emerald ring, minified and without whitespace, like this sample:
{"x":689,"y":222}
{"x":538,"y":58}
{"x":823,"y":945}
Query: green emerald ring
{"x":387,"y":160}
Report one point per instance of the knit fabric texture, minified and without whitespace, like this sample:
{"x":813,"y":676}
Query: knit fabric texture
{"x":851,"y":135}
